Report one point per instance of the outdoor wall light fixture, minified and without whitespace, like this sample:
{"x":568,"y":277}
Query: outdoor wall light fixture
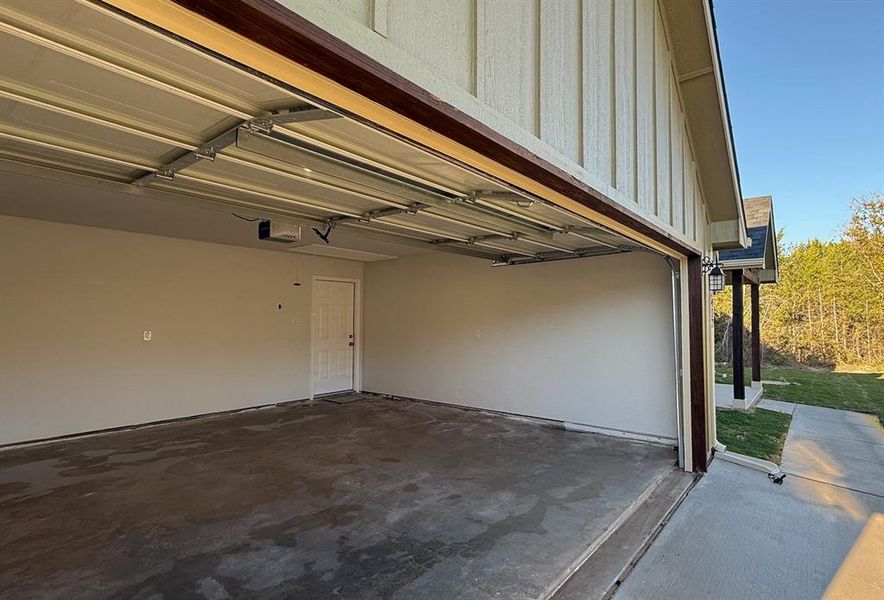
{"x":715,"y":274}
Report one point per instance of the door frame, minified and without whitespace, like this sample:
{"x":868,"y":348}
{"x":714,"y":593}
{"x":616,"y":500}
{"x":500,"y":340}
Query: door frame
{"x":357,"y":328}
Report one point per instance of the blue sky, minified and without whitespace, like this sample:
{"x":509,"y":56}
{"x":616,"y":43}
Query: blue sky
{"x":805,"y":85}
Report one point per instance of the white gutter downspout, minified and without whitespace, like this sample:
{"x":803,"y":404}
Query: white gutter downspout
{"x":759,"y":464}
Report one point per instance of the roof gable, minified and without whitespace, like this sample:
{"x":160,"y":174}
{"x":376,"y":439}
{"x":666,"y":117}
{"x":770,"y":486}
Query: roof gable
{"x":762,"y":253}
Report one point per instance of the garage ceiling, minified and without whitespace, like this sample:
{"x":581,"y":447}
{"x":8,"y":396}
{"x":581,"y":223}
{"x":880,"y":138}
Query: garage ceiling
{"x":85,"y":90}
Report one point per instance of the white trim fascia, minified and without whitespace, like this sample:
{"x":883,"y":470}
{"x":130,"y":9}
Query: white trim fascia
{"x":742,"y":264}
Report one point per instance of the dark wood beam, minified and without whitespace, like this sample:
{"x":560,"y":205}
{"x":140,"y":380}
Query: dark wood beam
{"x":755,"y":294}
{"x":737,"y":334}
{"x":750,"y":276}
{"x":277,"y":28}
{"x":699,"y":446}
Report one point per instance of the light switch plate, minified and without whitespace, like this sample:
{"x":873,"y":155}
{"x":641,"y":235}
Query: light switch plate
{"x":147,"y":335}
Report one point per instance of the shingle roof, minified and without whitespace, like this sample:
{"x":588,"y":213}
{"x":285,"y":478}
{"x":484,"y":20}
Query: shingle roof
{"x":757,"y":223}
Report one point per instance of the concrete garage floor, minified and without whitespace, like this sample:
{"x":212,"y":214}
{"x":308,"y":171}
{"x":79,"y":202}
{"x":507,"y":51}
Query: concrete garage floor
{"x":376,"y":498}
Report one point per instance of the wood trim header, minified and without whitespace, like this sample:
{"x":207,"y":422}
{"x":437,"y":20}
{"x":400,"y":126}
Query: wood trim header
{"x":273,"y":26}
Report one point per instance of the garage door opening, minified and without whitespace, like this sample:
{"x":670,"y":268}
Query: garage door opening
{"x":139,"y":171}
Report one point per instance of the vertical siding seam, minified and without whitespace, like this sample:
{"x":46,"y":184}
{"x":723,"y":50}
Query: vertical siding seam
{"x":581,"y":151}
{"x":612,"y":98}
{"x":635,"y":99}
{"x":474,"y":64}
{"x":669,"y":139}
{"x":655,"y":198}
{"x":379,"y":18}
{"x":673,"y":128}
{"x":538,"y":65}
{"x":584,"y":61}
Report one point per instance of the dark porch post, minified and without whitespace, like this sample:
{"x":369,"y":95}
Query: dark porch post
{"x":737,"y":335}
{"x":699,"y":447}
{"x":756,"y":333}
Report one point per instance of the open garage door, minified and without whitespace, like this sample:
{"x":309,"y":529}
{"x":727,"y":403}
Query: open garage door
{"x":175,"y":119}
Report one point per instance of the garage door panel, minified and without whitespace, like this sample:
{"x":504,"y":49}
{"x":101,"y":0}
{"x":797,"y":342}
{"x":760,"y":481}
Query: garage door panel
{"x":237,"y":174}
{"x":306,"y":159}
{"x":13,"y":148}
{"x":361,"y":140}
{"x":537,"y":212}
{"x":91,"y":27}
{"x":70,"y":78}
{"x":58,"y":125}
{"x":442,"y":223}
{"x":307,"y":206}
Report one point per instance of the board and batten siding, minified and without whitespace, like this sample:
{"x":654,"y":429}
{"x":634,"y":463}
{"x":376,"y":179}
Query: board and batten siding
{"x":588,"y":85}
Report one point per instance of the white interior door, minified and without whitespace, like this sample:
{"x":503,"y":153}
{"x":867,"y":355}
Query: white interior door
{"x":333,"y":336}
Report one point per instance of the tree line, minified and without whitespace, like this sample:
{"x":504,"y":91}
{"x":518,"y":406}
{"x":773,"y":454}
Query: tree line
{"x":828,"y":307}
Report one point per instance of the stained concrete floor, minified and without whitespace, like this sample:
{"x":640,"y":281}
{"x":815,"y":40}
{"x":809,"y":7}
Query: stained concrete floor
{"x":377,"y":498}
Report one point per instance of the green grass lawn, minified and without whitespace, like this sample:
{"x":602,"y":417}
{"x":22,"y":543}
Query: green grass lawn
{"x":759,"y":433}
{"x":861,"y":392}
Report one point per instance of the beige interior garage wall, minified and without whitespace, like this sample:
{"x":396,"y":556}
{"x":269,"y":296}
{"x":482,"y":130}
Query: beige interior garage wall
{"x":584,"y":341}
{"x":75,"y":301}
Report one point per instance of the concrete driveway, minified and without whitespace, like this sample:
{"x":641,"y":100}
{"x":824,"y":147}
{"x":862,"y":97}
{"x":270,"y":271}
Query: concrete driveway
{"x":821,"y":532}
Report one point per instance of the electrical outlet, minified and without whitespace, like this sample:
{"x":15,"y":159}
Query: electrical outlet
{"x":147,"y":335}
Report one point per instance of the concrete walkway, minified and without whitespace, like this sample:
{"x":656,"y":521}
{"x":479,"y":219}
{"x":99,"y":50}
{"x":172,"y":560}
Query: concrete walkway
{"x":737,"y":535}
{"x":840,"y":447}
